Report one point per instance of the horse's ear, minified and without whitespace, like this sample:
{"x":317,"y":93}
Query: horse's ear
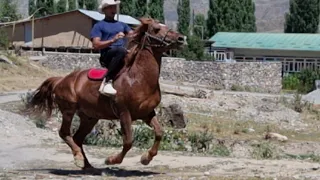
{"x":145,"y":22}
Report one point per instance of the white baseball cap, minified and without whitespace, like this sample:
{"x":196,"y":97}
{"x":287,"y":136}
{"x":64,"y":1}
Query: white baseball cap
{"x":106,"y":3}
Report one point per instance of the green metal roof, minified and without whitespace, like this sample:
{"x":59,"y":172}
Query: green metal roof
{"x":271,"y":41}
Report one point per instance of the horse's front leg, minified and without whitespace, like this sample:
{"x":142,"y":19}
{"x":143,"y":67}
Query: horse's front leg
{"x":152,"y":121}
{"x":125,"y":122}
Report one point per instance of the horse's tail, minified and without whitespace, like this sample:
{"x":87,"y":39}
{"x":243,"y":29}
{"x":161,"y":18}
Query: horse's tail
{"x":42,"y":100}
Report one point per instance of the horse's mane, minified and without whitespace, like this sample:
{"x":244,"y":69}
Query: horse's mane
{"x":135,"y":42}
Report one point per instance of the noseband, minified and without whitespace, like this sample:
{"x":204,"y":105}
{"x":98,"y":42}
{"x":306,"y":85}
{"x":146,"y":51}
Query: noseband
{"x":161,"y":40}
{"x":148,"y":37}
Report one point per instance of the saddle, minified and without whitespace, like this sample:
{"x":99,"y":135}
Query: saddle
{"x":97,"y":74}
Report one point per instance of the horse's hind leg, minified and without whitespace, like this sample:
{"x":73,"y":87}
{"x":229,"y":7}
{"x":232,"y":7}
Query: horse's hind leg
{"x":86,"y":126}
{"x":152,"y":121}
{"x":68,"y":110}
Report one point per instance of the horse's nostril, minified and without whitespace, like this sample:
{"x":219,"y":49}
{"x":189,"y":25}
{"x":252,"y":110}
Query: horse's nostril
{"x":181,"y":38}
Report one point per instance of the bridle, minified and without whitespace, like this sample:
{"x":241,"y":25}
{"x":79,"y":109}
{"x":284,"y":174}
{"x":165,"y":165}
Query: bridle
{"x":148,"y":37}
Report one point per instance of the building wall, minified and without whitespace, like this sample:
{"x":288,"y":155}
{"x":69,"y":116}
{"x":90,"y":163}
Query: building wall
{"x":70,"y":29}
{"x":256,"y":76}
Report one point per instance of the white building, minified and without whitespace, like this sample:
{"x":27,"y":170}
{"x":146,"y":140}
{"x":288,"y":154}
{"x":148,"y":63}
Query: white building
{"x":296,"y":51}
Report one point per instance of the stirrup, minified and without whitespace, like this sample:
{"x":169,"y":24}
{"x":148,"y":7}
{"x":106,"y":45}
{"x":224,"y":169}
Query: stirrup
{"x":102,"y":85}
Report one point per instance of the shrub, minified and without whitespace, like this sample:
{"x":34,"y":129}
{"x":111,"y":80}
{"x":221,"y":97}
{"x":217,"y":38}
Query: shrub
{"x":235,"y":87}
{"x":173,"y":139}
{"x":303,"y":81}
{"x":296,"y":104}
{"x":290,"y":82}
{"x":264,"y":150}
{"x":4,"y":41}
{"x":307,"y":78}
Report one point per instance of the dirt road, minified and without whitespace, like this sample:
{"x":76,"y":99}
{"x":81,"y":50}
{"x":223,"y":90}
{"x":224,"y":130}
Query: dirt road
{"x":27,"y":152}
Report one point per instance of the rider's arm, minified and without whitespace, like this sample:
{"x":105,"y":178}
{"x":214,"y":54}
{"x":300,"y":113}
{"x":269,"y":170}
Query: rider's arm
{"x":96,"y":35}
{"x":98,"y":44}
{"x":127,"y":30}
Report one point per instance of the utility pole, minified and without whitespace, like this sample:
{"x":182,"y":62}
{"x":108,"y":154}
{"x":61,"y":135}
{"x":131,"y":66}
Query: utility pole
{"x":202,"y":30}
{"x":77,"y":4}
{"x":32,"y":35}
{"x":118,"y":11}
{"x":192,"y":23}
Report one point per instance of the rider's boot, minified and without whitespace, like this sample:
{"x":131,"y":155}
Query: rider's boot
{"x":106,"y":88}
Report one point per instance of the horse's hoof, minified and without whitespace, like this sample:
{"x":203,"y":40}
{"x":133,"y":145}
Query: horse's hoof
{"x":79,"y":162}
{"x":145,"y":159}
{"x":112,"y":161}
{"x":108,"y":161}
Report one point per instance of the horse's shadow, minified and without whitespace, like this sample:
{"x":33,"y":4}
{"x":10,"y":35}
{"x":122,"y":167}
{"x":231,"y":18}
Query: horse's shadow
{"x":114,"y":171}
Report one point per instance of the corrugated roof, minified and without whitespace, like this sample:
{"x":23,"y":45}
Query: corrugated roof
{"x":275,"y":41}
{"x":98,"y":17}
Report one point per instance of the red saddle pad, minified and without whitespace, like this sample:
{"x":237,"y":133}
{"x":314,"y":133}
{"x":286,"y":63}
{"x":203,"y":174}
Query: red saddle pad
{"x":97,"y":73}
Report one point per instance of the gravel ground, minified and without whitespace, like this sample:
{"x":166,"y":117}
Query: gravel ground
{"x":27,"y":152}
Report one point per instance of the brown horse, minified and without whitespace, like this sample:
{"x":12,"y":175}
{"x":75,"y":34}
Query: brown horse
{"x":138,"y":93}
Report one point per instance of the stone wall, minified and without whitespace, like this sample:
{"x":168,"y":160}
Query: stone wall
{"x":256,"y":76}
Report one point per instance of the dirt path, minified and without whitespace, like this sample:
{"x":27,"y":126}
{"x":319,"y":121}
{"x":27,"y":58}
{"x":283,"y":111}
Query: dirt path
{"x":56,"y":162}
{"x":27,"y":152}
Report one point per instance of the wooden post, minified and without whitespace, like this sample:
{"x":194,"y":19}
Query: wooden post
{"x":118,"y":11}
{"x":32,"y":33}
{"x":12,"y":36}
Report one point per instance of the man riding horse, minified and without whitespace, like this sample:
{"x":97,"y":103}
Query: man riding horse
{"x":137,"y":87}
{"x":108,"y":36}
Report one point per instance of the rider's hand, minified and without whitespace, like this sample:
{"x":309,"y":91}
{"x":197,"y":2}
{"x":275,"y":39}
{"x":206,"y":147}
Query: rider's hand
{"x":118,"y":36}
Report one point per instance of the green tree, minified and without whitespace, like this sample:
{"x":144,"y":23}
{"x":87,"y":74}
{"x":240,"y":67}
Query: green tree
{"x":213,"y":20}
{"x":126,"y":7}
{"x":156,"y":10}
{"x":199,"y":26}
{"x":303,"y":17}
{"x":72,"y":5}
{"x":81,"y":4}
{"x":91,"y":4}
{"x":250,"y":23}
{"x":8,"y":11}
{"x":88,"y":4}
{"x":32,"y":7}
{"x":194,"y":50}
{"x":183,"y":16}
{"x":48,"y":8}
{"x":231,"y":15}
{"x":61,"y":6}
{"x":141,"y":8}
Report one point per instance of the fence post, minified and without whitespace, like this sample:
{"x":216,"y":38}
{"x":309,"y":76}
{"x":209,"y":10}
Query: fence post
{"x":317,"y":84}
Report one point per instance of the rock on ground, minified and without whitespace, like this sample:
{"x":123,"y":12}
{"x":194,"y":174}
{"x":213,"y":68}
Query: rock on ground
{"x":313,"y":97}
{"x":172,"y":115}
{"x":5,"y":59}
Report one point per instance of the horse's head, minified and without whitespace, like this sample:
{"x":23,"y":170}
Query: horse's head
{"x":158,"y":36}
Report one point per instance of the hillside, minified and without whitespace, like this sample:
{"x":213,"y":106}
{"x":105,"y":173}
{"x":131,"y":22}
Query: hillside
{"x":269,"y":13}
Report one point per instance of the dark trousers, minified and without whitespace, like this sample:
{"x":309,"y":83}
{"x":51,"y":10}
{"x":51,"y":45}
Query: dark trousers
{"x":113,"y":60}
